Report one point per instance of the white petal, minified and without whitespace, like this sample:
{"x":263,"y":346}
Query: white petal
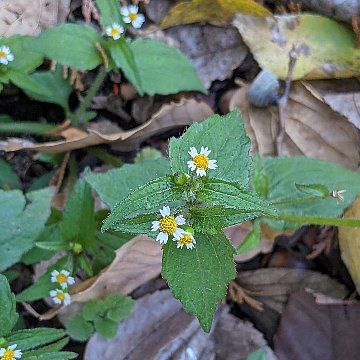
{"x":133,"y":9}
{"x":10,"y":57}
{"x":65,"y":272}
{"x":127,"y":20}
{"x":3,"y":61}
{"x":155,"y":225}
{"x":191,"y":165}
{"x":53,"y":279}
{"x":180,"y":245}
{"x":56,"y":300}
{"x":67,"y":300}
{"x":54,"y":273}
{"x":180,"y":220}
{"x":212,"y":164}
{"x":178,"y":233}
{"x":70,"y":280}
{"x":205,"y":151}
{"x":64,"y":285}
{"x":137,"y":23}
{"x":189,"y":246}
{"x":193,"y":152}
{"x":165,"y":211}
{"x":124,"y":11}
{"x":108,"y":31}
{"x":53,"y":293}
{"x":2,"y":351}
{"x":162,"y":238}
{"x":200,"y":172}
{"x":17,"y":354}
{"x":12,"y":347}
{"x":116,"y":37}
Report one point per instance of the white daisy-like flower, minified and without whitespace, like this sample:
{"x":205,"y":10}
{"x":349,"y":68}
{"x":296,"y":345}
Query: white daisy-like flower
{"x":5,"y":55}
{"x":168,"y":225}
{"x":60,"y":297}
{"x":62,"y":278}
{"x":131,"y":16}
{"x":10,"y":353}
{"x":185,"y":239}
{"x":115,"y":31}
{"x":200,"y":161}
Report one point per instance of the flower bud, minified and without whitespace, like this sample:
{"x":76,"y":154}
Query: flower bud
{"x":181,"y":179}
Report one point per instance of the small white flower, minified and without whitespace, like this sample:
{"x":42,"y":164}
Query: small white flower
{"x":5,"y":55}
{"x":200,"y":161}
{"x":10,"y":353}
{"x":62,"y":278}
{"x":60,"y":297}
{"x":185,"y":239}
{"x":115,"y":31}
{"x":168,"y":225}
{"x":131,"y":16}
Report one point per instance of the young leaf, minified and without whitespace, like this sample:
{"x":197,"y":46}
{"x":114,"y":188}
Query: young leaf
{"x":252,"y":239}
{"x":71,"y":45}
{"x":14,"y":216}
{"x":106,"y":327}
{"x":8,"y":178}
{"x":226,"y":138}
{"x":199,"y":277}
{"x":78,"y":222}
{"x":25,"y":82}
{"x":148,"y":198}
{"x":114,"y":185}
{"x":110,"y":12}
{"x":78,"y":328}
{"x":8,"y":314}
{"x":119,"y":306}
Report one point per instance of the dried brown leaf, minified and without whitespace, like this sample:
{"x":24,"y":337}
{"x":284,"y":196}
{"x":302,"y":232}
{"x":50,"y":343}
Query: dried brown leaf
{"x":312,"y":128}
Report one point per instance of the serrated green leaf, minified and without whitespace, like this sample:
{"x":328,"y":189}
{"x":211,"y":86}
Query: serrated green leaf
{"x":21,"y":224}
{"x":260,"y":178}
{"x":26,"y":82}
{"x":78,"y":222}
{"x":8,"y":314}
{"x":284,"y":173}
{"x":252,"y":239}
{"x":106,"y":327}
{"x":226,"y":138}
{"x":71,"y":45}
{"x":316,"y":190}
{"x":147,"y":154}
{"x":119,"y":306}
{"x":94,"y":309}
{"x":114,"y":185}
{"x":55,"y":355}
{"x":56,"y":346}
{"x":78,"y":328}
{"x":148,"y":198}
{"x":110,"y":12}
{"x":199,"y":277}
{"x":8,"y":177}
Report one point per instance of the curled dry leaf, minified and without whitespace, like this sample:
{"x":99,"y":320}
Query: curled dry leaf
{"x":328,"y":48}
{"x":312,"y":128}
{"x":349,"y":242}
{"x":311,"y":331}
{"x":172,"y":115}
{"x":161,"y":329}
{"x":29,"y":17}
{"x":214,"y":51}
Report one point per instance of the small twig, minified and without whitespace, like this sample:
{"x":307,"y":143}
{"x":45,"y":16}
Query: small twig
{"x":46,"y":316}
{"x":103,"y":55}
{"x":61,"y":172}
{"x":355,"y":22}
{"x":241,"y":295}
{"x":293,"y":55}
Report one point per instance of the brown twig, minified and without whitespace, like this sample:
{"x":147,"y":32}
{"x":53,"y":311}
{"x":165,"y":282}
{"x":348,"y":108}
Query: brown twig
{"x":46,"y":316}
{"x":293,"y":55}
{"x":61,"y":171}
{"x":241,"y":295}
{"x":103,"y":55}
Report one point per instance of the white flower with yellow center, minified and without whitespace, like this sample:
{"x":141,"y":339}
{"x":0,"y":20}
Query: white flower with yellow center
{"x":185,"y":239}
{"x":10,"y":353}
{"x":5,"y":55}
{"x":60,"y":297}
{"x":62,"y":278}
{"x":200,"y":161}
{"x":131,"y":16}
{"x":168,"y":225}
{"x":115,"y":31}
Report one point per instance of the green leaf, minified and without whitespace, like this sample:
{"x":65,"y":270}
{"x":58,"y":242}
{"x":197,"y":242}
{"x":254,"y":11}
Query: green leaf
{"x":148,"y":198}
{"x":78,"y":222}
{"x":226,"y":138}
{"x":119,"y":306}
{"x":70,"y":45}
{"x":316,"y":190}
{"x":164,"y":69}
{"x":199,"y":277}
{"x":147,"y":154}
{"x":26,"y":82}
{"x":32,"y":338}
{"x":8,"y":314}
{"x":56,"y":346}
{"x":260,"y":178}
{"x":106,"y":327}
{"x":8,"y":177}
{"x":114,"y":185}
{"x":94,"y":309}
{"x":252,"y":239}
{"x":25,"y":127}
{"x":57,"y":88}
{"x":110,"y":12}
{"x":55,"y":355}
{"x":21,"y":224}
{"x":43,"y":285}
{"x":284,"y":173}
{"x":259,"y":354}
{"x":78,"y":328}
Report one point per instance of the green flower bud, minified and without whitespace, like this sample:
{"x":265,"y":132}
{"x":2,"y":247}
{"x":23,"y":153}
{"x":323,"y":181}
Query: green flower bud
{"x":76,"y":248}
{"x":181,"y":179}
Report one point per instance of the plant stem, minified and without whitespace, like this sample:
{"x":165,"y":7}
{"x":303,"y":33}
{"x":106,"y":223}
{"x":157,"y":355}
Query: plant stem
{"x":318,"y":220}
{"x":295,"y":201}
{"x":89,"y":96}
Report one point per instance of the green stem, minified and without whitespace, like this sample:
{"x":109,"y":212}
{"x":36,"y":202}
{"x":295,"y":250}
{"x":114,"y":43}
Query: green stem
{"x":318,"y":220}
{"x":295,"y":201}
{"x":89,"y":96}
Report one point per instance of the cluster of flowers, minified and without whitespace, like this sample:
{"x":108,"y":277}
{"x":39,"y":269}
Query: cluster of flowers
{"x":169,"y":224}
{"x":130,"y":16}
{"x":63,"y":278}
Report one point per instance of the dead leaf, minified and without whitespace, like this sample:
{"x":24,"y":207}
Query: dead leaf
{"x":172,"y":115}
{"x":214,"y":51}
{"x":342,"y":96}
{"x":312,"y":128}
{"x":157,"y":9}
{"x":309,"y":331}
{"x":29,"y":17}
{"x":161,"y":329}
{"x":216,"y":12}
{"x":338,"y":59}
{"x":349,"y":242}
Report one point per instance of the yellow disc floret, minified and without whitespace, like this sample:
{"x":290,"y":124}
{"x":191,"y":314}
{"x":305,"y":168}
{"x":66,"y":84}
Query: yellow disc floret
{"x":201,"y":161}
{"x":114,"y":32}
{"x":132,"y":16}
{"x":168,"y":224}
{"x":3,"y":54}
{"x":8,"y":355}
{"x":61,"y":278}
{"x":185,"y":240}
{"x":60,"y":296}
